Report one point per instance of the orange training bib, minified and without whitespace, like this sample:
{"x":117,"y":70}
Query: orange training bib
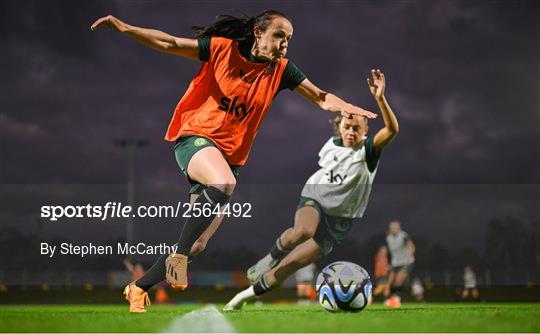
{"x":227,"y":100}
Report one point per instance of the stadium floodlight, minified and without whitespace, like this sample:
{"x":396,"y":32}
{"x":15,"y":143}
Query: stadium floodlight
{"x":132,"y":145}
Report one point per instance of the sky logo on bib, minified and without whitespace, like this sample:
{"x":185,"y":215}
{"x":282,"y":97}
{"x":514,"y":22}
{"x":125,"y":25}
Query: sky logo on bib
{"x":232,"y":107}
{"x":200,"y":142}
{"x":335,"y":178}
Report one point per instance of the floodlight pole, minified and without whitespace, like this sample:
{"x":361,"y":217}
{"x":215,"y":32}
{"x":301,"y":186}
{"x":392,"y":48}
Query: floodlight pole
{"x":131,"y":145}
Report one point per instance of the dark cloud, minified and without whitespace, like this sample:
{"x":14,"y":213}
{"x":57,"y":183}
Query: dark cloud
{"x":462,"y":77}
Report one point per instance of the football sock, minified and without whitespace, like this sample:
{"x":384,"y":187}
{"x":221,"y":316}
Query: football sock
{"x":247,"y":294}
{"x":396,"y":290}
{"x":154,"y":275}
{"x":278,"y":252}
{"x":195,"y":226}
{"x":261,"y":287}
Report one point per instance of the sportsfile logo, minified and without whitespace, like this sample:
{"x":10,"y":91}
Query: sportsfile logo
{"x":231,"y":107}
{"x":119,"y":210}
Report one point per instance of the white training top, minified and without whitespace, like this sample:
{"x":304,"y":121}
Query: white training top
{"x":399,"y":252}
{"x":343,"y":183}
{"x":417,"y":289}
{"x":469,"y":279}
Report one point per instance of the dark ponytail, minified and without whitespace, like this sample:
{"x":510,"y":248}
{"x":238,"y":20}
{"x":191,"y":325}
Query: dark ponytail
{"x":238,"y":28}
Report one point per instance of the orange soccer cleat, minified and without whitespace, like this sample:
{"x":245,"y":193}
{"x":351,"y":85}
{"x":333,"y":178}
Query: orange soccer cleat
{"x":393,"y":302}
{"x":136,"y":297}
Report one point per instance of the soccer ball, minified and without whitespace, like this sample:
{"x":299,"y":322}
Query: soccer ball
{"x":343,"y":286}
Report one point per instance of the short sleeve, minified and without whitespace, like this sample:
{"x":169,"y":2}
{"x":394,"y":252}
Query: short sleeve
{"x":372,"y":154}
{"x":406,"y":237}
{"x":204,"y":48}
{"x":292,"y":76}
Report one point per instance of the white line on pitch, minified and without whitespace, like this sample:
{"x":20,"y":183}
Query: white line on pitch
{"x":205,"y":320}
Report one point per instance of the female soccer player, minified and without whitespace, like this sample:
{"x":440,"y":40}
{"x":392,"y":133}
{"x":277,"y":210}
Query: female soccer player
{"x":401,"y":249}
{"x":215,"y":122}
{"x":332,"y":197}
{"x":469,"y":279}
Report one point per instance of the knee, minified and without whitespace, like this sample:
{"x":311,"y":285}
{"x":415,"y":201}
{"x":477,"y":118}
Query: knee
{"x":304,"y":233}
{"x":225,"y":183}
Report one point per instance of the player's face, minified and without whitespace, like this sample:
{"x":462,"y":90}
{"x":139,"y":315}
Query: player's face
{"x":274,"y":41}
{"x":353,"y":130}
{"x":394,"y":227}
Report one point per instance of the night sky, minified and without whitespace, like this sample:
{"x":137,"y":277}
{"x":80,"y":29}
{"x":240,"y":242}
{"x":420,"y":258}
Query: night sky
{"x":463,"y":79}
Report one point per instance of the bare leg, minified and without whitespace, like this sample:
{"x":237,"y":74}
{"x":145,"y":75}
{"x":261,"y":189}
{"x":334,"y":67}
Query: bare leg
{"x":397,"y":285}
{"x":400,"y":278}
{"x":381,"y":289}
{"x":209,"y":167}
{"x":304,"y":254}
{"x":475,"y":294}
{"x":464,"y":293}
{"x":306,"y":221}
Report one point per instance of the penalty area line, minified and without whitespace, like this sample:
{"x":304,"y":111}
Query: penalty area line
{"x":205,"y":320}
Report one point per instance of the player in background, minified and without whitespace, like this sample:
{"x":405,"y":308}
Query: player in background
{"x":469,"y":280}
{"x":401,"y":250}
{"x":305,"y":284}
{"x":136,"y":270}
{"x":417,"y":289}
{"x":214,"y":124}
{"x":332,"y":198}
{"x":381,"y":273}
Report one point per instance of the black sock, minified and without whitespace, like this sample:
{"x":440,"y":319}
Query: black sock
{"x":278,"y":252}
{"x":154,"y":275}
{"x":261,"y":287}
{"x":396,"y":290}
{"x":195,"y":226}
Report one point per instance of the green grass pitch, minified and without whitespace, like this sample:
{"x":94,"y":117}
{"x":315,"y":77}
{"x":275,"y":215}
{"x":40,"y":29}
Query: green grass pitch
{"x":427,"y":317}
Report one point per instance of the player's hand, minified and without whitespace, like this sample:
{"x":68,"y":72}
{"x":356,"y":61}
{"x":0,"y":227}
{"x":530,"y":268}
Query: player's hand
{"x":348,"y":110}
{"x":377,"y":83}
{"x":108,"y":21}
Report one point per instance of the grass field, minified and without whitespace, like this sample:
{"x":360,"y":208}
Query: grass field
{"x":272,"y":318}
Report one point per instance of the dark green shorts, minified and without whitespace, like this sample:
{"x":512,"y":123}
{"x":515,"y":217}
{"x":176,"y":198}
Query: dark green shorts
{"x":406,"y":268}
{"x":185,"y":148}
{"x":331,"y":230}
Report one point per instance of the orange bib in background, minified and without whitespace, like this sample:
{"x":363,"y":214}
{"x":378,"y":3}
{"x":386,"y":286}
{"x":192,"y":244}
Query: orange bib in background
{"x":227,"y":100}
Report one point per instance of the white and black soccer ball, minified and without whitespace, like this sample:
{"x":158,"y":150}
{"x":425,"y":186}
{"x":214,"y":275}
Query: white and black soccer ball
{"x":343,"y":286}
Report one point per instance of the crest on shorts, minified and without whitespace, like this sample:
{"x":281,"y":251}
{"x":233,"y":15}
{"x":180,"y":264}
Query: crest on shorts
{"x":310,"y":203}
{"x":199,"y":142}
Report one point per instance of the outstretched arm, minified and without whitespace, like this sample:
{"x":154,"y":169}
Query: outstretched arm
{"x":411,"y":247}
{"x":377,"y":84}
{"x":158,"y":40}
{"x":330,"y":102}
